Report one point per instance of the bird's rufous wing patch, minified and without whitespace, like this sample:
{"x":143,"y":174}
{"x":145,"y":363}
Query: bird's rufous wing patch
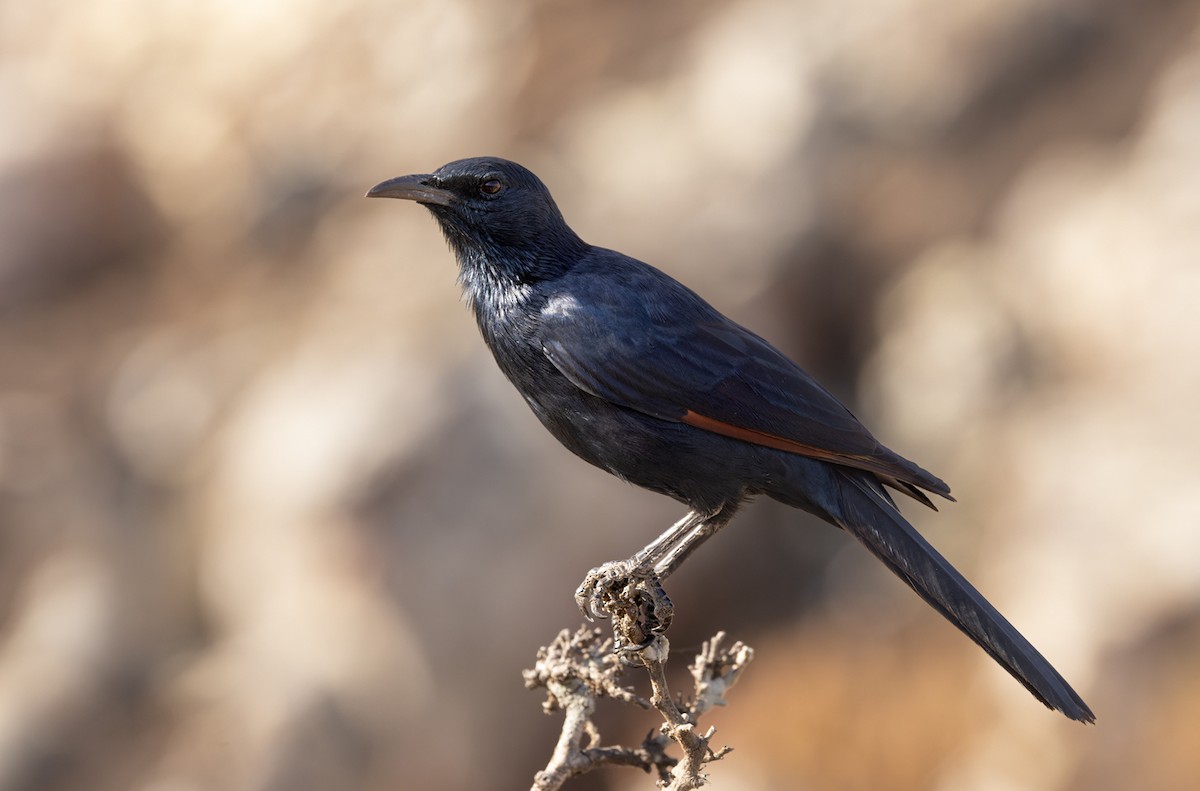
{"x":861,"y":462}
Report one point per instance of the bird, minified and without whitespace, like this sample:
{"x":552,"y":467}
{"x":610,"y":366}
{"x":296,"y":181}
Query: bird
{"x":638,"y":375}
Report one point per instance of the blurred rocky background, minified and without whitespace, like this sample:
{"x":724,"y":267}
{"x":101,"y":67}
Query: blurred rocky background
{"x":270,"y":519}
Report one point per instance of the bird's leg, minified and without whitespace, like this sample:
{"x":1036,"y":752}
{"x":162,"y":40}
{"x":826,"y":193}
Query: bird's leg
{"x":651,"y":553}
{"x":601,"y":583}
{"x":679,"y":550}
{"x":631,"y":590}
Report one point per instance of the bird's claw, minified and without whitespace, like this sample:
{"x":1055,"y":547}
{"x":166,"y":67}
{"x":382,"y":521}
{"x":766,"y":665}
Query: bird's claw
{"x":633,"y":597}
{"x":599,"y":586}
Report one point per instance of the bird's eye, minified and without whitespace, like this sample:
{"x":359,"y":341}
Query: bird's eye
{"x":491,"y":187}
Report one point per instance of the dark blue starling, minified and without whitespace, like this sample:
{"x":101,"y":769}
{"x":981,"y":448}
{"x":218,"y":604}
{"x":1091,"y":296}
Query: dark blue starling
{"x":635,"y":373}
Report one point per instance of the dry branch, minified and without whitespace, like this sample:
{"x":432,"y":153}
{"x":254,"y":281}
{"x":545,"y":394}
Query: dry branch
{"x":577,"y":670}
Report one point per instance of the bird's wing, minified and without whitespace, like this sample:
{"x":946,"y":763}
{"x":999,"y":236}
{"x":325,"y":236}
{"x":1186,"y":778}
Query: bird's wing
{"x":681,"y":360}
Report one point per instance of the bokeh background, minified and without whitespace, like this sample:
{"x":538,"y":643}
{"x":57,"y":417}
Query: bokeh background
{"x":270,"y":518}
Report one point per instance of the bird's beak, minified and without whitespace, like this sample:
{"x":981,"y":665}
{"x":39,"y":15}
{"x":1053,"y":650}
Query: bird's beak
{"x":414,"y":188}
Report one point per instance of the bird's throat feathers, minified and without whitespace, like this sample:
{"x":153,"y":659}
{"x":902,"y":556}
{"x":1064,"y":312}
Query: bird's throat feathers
{"x":500,"y":277}
{"x":489,"y":287}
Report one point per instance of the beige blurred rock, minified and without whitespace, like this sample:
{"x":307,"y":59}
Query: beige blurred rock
{"x":55,"y":657}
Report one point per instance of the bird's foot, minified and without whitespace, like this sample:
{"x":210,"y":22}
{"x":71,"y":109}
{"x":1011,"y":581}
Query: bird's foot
{"x":632,"y":596}
{"x":596,"y":589}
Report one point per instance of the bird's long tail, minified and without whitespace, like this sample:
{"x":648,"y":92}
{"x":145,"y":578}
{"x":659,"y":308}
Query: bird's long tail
{"x":869,"y":515}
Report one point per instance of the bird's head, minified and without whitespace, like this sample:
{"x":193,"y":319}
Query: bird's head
{"x":494,"y":213}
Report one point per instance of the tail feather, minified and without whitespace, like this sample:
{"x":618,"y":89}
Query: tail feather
{"x":870,"y":516}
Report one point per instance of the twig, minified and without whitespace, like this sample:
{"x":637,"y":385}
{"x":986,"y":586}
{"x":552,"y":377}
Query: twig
{"x":714,"y":671}
{"x":576,"y":670}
